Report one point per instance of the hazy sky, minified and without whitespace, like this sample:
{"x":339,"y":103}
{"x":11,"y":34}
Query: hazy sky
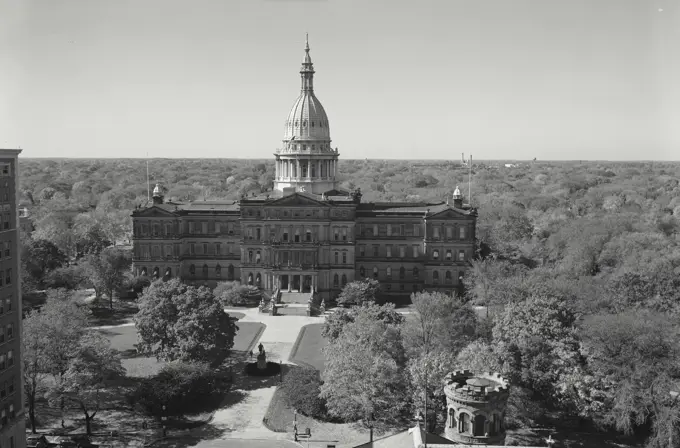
{"x":501,"y":79}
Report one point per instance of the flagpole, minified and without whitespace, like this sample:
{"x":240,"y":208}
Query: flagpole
{"x":148,"y":185}
{"x":470,"y":181}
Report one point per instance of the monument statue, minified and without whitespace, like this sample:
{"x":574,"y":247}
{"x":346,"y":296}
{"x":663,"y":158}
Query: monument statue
{"x":261,"y":358}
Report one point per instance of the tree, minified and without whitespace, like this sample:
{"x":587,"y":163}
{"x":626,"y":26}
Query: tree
{"x":426,"y":375}
{"x":235,"y":294}
{"x":539,"y":342}
{"x":359,"y":292}
{"x":635,"y":358}
{"x":93,"y":364}
{"x":336,"y":322}
{"x":107,"y":270}
{"x":49,"y":337}
{"x":364,"y":376}
{"x":35,"y":361}
{"x":442,"y":323}
{"x":180,"y":322}
{"x":40,"y":257}
{"x":479,"y":356}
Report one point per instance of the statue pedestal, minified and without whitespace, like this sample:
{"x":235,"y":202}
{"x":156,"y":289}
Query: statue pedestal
{"x":261,"y":361}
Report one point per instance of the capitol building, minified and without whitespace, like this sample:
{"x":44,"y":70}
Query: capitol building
{"x":307,"y":235}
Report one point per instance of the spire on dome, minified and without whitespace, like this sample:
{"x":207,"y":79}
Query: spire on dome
{"x":307,"y":70}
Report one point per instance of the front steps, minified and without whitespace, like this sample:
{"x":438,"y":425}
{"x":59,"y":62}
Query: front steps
{"x":295,"y":297}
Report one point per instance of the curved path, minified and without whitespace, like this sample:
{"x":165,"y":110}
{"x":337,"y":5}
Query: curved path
{"x":243,"y":420}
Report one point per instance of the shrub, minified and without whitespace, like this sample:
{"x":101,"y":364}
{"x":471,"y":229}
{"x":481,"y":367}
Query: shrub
{"x":235,"y":294}
{"x":301,"y":389}
{"x":182,"y":387}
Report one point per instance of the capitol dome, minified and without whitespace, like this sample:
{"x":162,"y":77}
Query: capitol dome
{"x":306,"y":162}
{"x":307,"y":119}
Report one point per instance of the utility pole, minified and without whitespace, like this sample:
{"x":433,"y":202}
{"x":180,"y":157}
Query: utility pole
{"x":425,"y":418}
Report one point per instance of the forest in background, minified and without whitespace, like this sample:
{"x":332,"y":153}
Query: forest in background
{"x":583,"y":257}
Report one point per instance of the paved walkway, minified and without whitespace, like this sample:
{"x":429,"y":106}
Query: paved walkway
{"x":243,"y":420}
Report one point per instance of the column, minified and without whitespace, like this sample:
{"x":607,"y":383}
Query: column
{"x":299,"y":173}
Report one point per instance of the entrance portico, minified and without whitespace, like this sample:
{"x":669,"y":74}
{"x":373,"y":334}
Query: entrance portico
{"x":297,"y":281}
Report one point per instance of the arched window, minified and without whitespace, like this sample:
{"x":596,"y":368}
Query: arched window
{"x":435,"y":254}
{"x":452,"y":418}
{"x":250,"y":278}
{"x":218,"y":271}
{"x":447,"y":277}
{"x":156,"y":272}
{"x":402,"y":272}
{"x":449,"y":256}
{"x":192,"y":270}
{"x":143,"y":272}
{"x":336,"y":280}
{"x":205,"y":270}
{"x":257,"y":257}
{"x":375,"y":272}
{"x":415,"y":273}
{"x":258,"y":280}
{"x":230,"y":272}
{"x":168,"y":272}
{"x":435,"y":277}
{"x":480,"y":423}
{"x":362,"y":272}
{"x":344,"y":280}
{"x":463,"y":423}
{"x":389,"y":272}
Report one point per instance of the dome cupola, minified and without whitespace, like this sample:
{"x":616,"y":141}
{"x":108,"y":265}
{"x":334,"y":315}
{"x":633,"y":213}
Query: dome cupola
{"x":306,"y":161}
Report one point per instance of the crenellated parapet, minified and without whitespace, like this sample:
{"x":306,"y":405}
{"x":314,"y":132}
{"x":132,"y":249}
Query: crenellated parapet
{"x":476,"y":407}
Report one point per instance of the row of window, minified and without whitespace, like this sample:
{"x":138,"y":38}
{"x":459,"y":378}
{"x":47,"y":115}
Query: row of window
{"x":194,"y":227}
{"x":6,"y":277}
{"x":5,"y":249}
{"x":7,"y":334}
{"x":5,"y":169}
{"x":6,"y":304}
{"x":7,"y":388}
{"x":308,"y":235}
{"x":6,"y":415}
{"x":297,"y":123}
{"x":368,"y":230}
{"x":6,"y":219}
{"x":7,"y":360}
{"x":205,"y":270}
{"x":415,"y":252}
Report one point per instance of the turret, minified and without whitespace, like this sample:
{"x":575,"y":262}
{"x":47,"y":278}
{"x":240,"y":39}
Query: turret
{"x":457,"y":198}
{"x":157,"y":194}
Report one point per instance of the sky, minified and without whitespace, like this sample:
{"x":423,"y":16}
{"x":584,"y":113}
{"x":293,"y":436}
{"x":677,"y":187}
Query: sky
{"x":401,"y":79}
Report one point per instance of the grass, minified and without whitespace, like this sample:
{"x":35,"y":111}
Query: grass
{"x":124,"y":339}
{"x":307,"y":350}
{"x":280,"y":418}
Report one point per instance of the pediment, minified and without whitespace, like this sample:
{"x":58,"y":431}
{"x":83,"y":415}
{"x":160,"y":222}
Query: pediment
{"x":298,"y":200}
{"x":449,"y":213}
{"x":154,"y":212}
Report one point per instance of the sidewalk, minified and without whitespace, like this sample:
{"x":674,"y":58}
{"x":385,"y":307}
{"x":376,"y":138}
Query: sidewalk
{"x":243,"y":420}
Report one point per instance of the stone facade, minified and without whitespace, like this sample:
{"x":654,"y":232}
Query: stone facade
{"x":476,"y":407}
{"x":307,"y":235}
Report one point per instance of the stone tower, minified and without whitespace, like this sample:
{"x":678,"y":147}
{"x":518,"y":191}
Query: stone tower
{"x":306,"y":160}
{"x":476,"y":407}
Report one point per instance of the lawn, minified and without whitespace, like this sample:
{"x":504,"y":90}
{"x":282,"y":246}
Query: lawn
{"x":124,"y":338}
{"x":307,"y":350}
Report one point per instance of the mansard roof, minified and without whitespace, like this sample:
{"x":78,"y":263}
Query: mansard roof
{"x":436,"y":210}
